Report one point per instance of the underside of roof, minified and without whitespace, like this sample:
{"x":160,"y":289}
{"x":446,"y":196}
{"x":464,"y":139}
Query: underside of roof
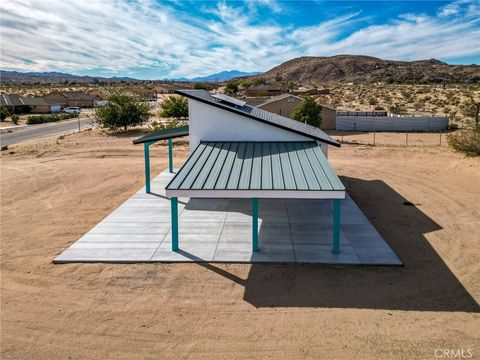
{"x":257,"y":169}
{"x":163,"y":135}
{"x":262,"y":116}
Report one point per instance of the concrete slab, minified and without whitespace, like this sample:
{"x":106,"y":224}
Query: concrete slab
{"x":219,"y":230}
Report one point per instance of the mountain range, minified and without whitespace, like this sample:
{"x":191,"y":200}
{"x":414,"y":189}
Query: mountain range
{"x":355,"y":68}
{"x":302,"y":70}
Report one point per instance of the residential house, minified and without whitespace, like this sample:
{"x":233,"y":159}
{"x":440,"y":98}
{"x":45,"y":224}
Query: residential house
{"x":14,"y":104}
{"x":71,"y":98}
{"x":37,"y":105}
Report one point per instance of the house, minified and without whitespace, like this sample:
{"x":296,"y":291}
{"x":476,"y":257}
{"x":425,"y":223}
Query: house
{"x":37,"y":105}
{"x":282,"y":104}
{"x":286,"y":103}
{"x":263,"y":90}
{"x":240,"y":151}
{"x":71,"y":98}
{"x":14,"y":104}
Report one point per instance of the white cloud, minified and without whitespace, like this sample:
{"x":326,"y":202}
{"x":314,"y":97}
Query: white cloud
{"x":121,"y":37}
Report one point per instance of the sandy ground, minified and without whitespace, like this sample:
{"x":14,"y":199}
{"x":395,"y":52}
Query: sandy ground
{"x":54,"y":191}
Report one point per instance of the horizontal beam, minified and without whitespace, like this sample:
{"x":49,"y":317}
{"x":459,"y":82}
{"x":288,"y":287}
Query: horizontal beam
{"x":261,"y":194}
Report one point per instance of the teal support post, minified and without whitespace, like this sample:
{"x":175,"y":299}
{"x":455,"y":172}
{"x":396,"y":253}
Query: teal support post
{"x":146,"y":153}
{"x":170,"y":156}
{"x":336,"y":226}
{"x":255,"y":224}
{"x":174,"y":208}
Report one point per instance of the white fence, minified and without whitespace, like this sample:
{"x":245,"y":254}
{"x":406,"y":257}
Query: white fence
{"x":391,"y":123}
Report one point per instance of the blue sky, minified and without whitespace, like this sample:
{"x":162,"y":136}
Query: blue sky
{"x":151,"y":39}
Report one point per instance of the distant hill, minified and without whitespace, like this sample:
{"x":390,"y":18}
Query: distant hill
{"x":54,"y":77}
{"x":355,"y":68}
{"x":223,"y":76}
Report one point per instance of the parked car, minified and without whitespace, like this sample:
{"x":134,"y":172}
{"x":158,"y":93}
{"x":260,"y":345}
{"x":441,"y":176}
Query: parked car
{"x":72,"y":110}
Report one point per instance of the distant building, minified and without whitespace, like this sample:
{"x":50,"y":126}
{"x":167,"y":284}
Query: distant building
{"x":281,"y":105}
{"x":14,"y":104}
{"x":263,"y":90}
{"x":71,"y":98}
{"x":37,"y":105}
{"x":286,"y":103}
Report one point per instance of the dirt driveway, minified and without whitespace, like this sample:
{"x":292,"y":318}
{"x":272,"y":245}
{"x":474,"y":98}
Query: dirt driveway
{"x":54,"y":191}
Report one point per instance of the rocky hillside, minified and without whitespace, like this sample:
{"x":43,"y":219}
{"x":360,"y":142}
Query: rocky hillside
{"x":352,"y":68}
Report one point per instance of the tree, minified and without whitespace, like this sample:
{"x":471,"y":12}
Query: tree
{"x":308,"y":111}
{"x":231,"y":87}
{"x":175,"y":107}
{"x":122,"y":111}
{"x":4,"y":113}
{"x":472,"y":109}
{"x":199,"y":86}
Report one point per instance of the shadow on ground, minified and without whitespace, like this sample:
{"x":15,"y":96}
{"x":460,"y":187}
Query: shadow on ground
{"x":424,"y":284}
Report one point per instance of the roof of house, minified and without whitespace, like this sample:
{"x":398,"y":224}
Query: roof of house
{"x":279,"y":98}
{"x":34,"y":101}
{"x":163,"y":135}
{"x":260,"y":169}
{"x":11,"y":100}
{"x":76,"y":95}
{"x":262,"y":116}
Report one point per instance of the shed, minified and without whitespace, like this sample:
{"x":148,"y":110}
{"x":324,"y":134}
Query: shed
{"x":240,"y":151}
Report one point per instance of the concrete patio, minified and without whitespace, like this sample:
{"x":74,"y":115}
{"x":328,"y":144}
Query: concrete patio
{"x":219,"y":230}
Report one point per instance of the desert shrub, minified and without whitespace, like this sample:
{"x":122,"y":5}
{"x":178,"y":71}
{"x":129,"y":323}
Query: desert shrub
{"x":15,"y":119}
{"x":199,"y":86}
{"x":156,"y":126}
{"x":122,"y":111}
{"x":308,"y":111}
{"x":231,"y":87}
{"x":4,"y":113}
{"x":372,"y":101}
{"x":467,"y":141}
{"x":175,"y":107}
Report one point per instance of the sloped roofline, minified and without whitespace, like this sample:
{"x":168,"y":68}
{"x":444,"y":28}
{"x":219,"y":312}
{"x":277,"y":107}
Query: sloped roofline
{"x":325,"y":139}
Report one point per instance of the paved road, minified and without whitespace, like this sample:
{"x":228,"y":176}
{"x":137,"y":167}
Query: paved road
{"x":44,"y":130}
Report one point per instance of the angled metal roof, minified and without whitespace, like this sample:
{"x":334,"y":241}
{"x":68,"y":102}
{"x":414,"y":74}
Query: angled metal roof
{"x":279,"y":98}
{"x":264,"y":116}
{"x":257,"y":169}
{"x":162,"y":135}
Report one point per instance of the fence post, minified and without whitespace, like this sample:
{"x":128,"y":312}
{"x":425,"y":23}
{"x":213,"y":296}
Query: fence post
{"x":406,"y":138}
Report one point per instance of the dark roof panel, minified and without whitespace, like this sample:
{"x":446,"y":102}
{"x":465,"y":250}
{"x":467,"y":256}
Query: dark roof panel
{"x":261,"y":115}
{"x":163,"y":135}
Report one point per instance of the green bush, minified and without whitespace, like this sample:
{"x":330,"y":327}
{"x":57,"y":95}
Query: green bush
{"x":42,"y":119}
{"x":467,"y":141}
{"x":4,"y":113}
{"x":308,"y":111}
{"x":15,"y":119}
{"x":175,"y":107}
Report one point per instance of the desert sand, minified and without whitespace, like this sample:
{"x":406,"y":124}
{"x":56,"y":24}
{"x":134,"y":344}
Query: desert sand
{"x":54,"y":191}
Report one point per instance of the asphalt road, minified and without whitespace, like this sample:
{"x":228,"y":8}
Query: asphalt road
{"x":44,"y":130}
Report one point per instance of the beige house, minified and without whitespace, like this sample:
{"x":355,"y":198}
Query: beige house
{"x":286,"y":103}
{"x":71,"y":98}
{"x":281,"y":105}
{"x":37,"y":105}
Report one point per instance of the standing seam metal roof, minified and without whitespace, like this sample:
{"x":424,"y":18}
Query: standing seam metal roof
{"x":257,"y":166}
{"x":262,"y":115}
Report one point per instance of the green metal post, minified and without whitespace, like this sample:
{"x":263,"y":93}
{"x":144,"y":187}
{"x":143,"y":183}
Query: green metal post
{"x":174,"y":208}
{"x":146,"y":153}
{"x":336,"y":226}
{"x":170,"y":156}
{"x":255,"y":224}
